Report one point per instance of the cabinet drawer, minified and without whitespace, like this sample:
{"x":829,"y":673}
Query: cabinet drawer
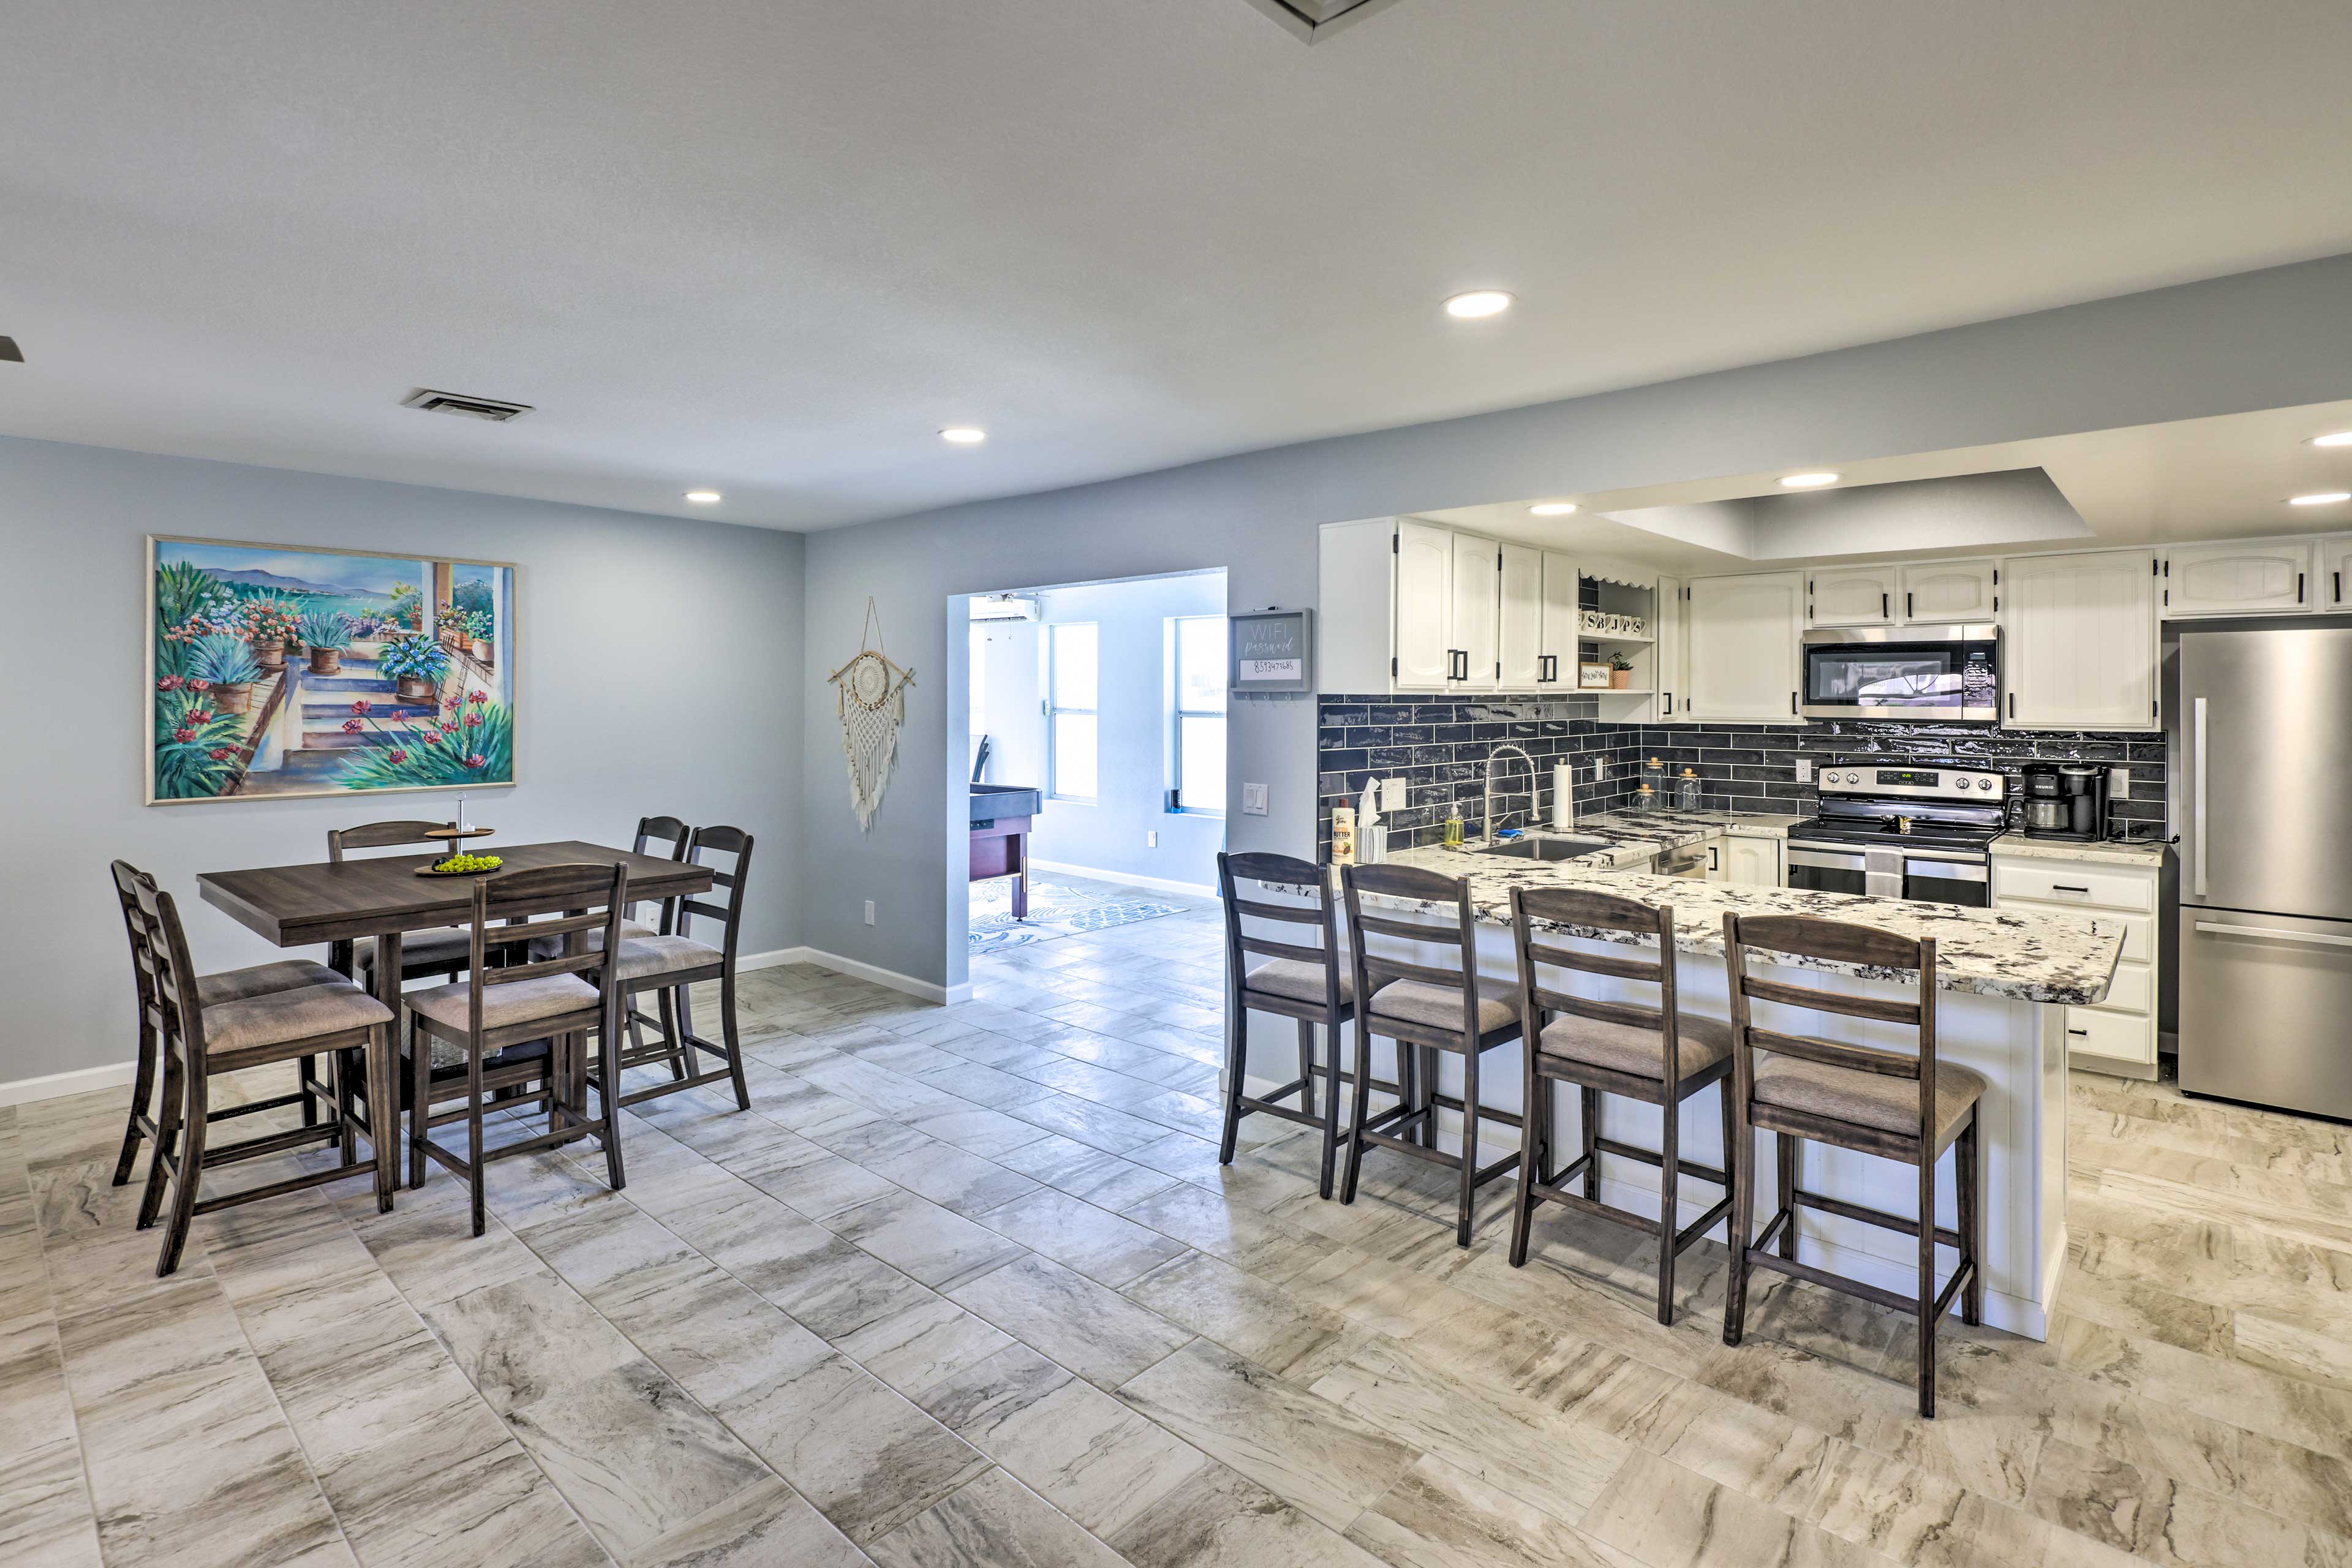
{"x":2120,"y":1035}
{"x":2056,"y":882}
{"x":2139,"y":935}
{"x":2133,"y":992}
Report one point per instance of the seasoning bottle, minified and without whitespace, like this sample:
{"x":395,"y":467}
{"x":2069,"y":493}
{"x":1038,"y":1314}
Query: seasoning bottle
{"x":1453,"y":827}
{"x":1343,"y":836}
{"x":1687,"y":790}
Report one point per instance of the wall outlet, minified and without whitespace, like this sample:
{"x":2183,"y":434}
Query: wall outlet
{"x":1394,"y":795}
{"x":1600,"y":769}
{"x":1804,"y":770}
{"x":869,"y":911}
{"x":1150,"y":838}
{"x":1252,"y":800}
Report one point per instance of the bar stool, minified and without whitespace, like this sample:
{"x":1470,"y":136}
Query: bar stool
{"x":1431,"y":1009}
{"x":669,"y":837}
{"x":1308,"y":983}
{"x":1902,"y":1108}
{"x":1658,"y":1055}
{"x":230,"y":985}
{"x":200,"y":1040}
{"x":423,"y":953}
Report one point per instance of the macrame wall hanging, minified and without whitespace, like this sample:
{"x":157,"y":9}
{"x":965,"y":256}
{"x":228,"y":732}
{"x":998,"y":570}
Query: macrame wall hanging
{"x":872,"y":704}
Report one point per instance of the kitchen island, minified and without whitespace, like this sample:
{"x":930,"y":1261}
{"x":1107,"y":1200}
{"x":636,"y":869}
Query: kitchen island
{"x":2006,"y":977}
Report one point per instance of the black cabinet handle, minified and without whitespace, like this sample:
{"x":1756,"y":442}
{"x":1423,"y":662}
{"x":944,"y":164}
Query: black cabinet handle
{"x":1884,"y":613}
{"x":2063,"y":888}
{"x":1670,"y":702}
{"x":2012,"y":704}
{"x":2085,"y":1034}
{"x":2339,"y":587}
{"x":1713,"y":864}
{"x":2298,"y":587}
{"x":1909,"y":607}
{"x":1793,"y":702}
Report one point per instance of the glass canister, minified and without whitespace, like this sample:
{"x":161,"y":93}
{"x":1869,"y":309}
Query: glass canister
{"x":1687,"y":790}
{"x":1645,"y":799}
{"x":1654,"y":793}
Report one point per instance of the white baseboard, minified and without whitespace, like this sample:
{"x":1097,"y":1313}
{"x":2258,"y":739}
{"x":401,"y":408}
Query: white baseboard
{"x":1135,"y":880}
{"x":57,"y":1085}
{"x":928,"y":990}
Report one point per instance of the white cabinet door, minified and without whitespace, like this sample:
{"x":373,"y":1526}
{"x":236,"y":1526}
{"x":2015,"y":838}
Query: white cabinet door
{"x":1476,"y":598}
{"x":2240,"y":580}
{"x":1424,"y":607}
{"x":1673,"y":695}
{"x":1939,"y":591}
{"x":2080,"y":651}
{"x":1850,"y":596}
{"x":1559,"y":607}
{"x":1751,"y":862}
{"x":2336,"y":573}
{"x":1741,"y":638}
{"x":1520,"y":627}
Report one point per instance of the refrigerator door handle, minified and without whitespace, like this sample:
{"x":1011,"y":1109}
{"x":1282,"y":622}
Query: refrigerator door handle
{"x":2197,"y":818}
{"x":2273,"y":934}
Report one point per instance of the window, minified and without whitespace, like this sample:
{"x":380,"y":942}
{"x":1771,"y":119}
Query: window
{"x":1070,"y":710}
{"x":1199,"y":727}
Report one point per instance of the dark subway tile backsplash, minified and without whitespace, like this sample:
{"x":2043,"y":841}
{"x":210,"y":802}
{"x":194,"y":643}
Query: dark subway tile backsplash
{"x":1440,"y":746}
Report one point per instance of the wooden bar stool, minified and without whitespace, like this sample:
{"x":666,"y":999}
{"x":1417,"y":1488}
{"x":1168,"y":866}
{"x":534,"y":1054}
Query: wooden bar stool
{"x":229,"y":985}
{"x":1308,"y":983}
{"x":200,"y":1040}
{"x":669,"y":837}
{"x":1431,"y":1009}
{"x":1902,"y":1108}
{"x":1658,"y":1055}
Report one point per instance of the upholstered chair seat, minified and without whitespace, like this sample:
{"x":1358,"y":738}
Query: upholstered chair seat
{"x":503,"y":1007}
{"x":1701,"y":1042}
{"x":304,"y":1012}
{"x":1866,"y":1099}
{"x":287,"y":974}
{"x":1297,"y":979}
{"x":1440,"y":1006}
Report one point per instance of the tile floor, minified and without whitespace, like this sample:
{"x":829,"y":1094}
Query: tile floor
{"x":968,"y":1286}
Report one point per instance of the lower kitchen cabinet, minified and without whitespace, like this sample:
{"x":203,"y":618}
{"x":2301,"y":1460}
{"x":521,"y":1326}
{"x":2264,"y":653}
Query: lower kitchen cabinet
{"x":2117,"y":1035}
{"x":1746,"y":860}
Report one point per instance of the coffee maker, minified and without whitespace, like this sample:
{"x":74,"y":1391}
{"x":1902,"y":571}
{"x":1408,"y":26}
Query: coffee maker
{"x":2066,"y":800}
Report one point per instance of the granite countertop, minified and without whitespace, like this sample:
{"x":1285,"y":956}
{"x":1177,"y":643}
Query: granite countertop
{"x":1633,"y":837}
{"x":2106,"y":852}
{"x":2026,"y":956}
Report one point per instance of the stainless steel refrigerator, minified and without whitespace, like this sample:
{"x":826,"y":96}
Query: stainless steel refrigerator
{"x":2264,"y":742}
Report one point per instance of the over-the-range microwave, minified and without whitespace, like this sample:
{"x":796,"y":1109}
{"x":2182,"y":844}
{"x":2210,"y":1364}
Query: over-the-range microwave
{"x":1946,"y":674}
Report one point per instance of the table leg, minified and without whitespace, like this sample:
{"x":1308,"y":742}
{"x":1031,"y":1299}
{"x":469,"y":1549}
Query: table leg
{"x":1018,"y":844}
{"x":384,"y":1120}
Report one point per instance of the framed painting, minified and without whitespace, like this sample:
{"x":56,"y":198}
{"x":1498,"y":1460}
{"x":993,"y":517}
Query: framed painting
{"x":281,"y":670}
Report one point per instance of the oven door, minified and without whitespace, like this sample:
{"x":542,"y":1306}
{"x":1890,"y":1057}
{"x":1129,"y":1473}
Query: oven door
{"x":1927,"y":876}
{"x":1945,"y":673}
{"x":1827,"y":869}
{"x":1935,"y":878}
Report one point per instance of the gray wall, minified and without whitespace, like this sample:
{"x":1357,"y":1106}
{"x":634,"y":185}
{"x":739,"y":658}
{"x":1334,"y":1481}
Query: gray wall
{"x":660,"y":671}
{"x":2263,"y":339}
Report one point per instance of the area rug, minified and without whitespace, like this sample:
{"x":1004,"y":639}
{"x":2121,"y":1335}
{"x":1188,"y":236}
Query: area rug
{"x":1055,"y":910}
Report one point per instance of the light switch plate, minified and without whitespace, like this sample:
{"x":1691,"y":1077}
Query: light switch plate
{"x":1804,"y":770}
{"x":1393,"y":795}
{"x":2119,"y":783}
{"x":1252,"y":800}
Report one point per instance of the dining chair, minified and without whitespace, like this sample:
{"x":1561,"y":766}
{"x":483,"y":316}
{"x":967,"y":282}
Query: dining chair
{"x":228,"y":985}
{"x":200,"y":1039}
{"x":1907,"y":1108}
{"x":1430,"y":1009}
{"x":668,"y":837}
{"x":665,"y":963}
{"x":423,"y":953}
{"x":1313,"y":983}
{"x":527,"y":1001}
{"x":1657,"y":1054}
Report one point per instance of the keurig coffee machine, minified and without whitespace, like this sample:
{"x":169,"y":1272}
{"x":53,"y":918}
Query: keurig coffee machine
{"x":2066,"y":800}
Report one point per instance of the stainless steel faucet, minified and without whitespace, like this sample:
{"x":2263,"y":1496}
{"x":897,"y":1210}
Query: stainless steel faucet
{"x":1486,"y":813}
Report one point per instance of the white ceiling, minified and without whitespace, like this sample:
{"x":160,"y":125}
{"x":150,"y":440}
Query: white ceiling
{"x":773,"y":246}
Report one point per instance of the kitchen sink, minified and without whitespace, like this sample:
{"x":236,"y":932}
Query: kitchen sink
{"x":1546,"y":849}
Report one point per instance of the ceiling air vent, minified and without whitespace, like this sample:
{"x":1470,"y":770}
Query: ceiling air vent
{"x":1309,"y":20}
{"x":488,"y":408}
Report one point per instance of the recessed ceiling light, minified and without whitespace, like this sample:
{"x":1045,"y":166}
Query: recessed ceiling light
{"x":964,"y":435}
{"x":1553,"y":508}
{"x":2333,"y":438}
{"x":1477,"y":303}
{"x":1811,"y":481}
{"x":2324,"y":498}
{"x":705,"y":498}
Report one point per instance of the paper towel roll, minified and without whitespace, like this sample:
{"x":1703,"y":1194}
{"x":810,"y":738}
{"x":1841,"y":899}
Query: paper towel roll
{"x":1563,"y":796}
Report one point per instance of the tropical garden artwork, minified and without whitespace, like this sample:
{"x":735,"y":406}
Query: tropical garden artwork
{"x":276,"y":671}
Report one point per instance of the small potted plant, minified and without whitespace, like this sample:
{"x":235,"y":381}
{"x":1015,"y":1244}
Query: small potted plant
{"x":328,"y":633}
{"x":1621,"y":672}
{"x":479,"y":629}
{"x":416,"y":665}
{"x":222,"y":666}
{"x":270,"y":626}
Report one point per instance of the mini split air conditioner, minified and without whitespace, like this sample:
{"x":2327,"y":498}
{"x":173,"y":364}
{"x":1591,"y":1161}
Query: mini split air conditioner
{"x":1004,"y":607}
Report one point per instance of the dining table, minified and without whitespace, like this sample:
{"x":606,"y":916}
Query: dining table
{"x":384,"y":897}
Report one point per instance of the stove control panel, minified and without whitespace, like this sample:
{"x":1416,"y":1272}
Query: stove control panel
{"x":1921,"y":784}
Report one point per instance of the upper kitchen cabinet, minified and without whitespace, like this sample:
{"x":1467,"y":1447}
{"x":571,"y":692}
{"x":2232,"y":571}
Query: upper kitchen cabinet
{"x":1519,"y":628}
{"x":1477,"y":625}
{"x":2080,"y":648}
{"x":1850,"y":596}
{"x":1409,"y":607}
{"x":2336,"y":571}
{"x":1943,"y":592}
{"x":1424,"y":558}
{"x":1741,"y":637}
{"x":2264,"y":578}
{"x":1672,"y":661}
{"x":1556,"y":659}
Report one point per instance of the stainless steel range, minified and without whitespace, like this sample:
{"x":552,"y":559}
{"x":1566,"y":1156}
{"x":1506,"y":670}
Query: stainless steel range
{"x":1922,"y":833}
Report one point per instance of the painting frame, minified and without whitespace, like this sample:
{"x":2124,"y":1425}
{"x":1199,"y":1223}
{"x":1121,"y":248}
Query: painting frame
{"x":488,"y":682}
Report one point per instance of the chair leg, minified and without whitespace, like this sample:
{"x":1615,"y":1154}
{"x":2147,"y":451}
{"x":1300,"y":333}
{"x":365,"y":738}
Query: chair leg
{"x":1535,"y":1111}
{"x":142,"y":1096}
{"x":195,"y":1082}
{"x":1469,"y":1143}
{"x":1740,"y":1158}
{"x":1589,"y":1105}
{"x":1927,"y":1287}
{"x":1331,"y":1114}
{"x":1669,"y":1181}
{"x":1971,"y":1224}
{"x":342,"y":1062}
{"x":1236,"y":1062}
{"x":306,"y":1068}
{"x":1785,"y":1148}
{"x":1306,"y":1066}
{"x":727,"y":1032}
{"x":1363,"y":1106}
{"x":609,"y":1099}
{"x":1424,"y":1078}
{"x":384,"y":1113}
{"x":167,"y":1136}
{"x":420,"y":1114}
{"x":474,"y":1132}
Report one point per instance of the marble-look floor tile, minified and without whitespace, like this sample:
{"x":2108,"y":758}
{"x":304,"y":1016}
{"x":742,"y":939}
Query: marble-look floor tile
{"x":929,"y":1341}
{"x":925,"y":1241}
{"x":2152,"y":1516}
{"x":522,"y":1341}
{"x":1246,"y":1315}
{"x":959,"y":1182}
{"x":993,"y":1519}
{"x":828,"y":1284}
{"x":1668,"y":1517}
{"x":766,"y":1525}
{"x":714,"y":1335}
{"x":1325,"y":1459}
{"x":1103,"y":1180}
{"x":1092,"y":1241}
{"x":1216,"y":1518}
{"x":1248,"y":1241}
{"x":1440,"y":1517}
{"x":45,"y":1518}
{"x":1096,"y":1332}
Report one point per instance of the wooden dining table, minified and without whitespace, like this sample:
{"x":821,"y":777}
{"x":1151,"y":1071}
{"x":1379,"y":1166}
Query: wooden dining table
{"x":384,"y":899}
